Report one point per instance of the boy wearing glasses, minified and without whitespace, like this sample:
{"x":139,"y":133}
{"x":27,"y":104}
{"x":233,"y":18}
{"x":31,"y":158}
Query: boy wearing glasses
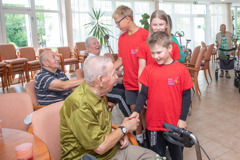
{"x":128,"y":45}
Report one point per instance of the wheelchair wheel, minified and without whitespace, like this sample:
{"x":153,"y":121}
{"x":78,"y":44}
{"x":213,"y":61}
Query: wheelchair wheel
{"x":216,"y":75}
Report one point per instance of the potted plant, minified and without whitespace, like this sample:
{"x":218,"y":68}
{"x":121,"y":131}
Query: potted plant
{"x":98,"y":27}
{"x":144,"y":21}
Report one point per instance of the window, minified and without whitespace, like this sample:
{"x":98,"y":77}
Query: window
{"x":18,"y":3}
{"x":188,"y":19}
{"x":18,"y":29}
{"x":25,"y":24}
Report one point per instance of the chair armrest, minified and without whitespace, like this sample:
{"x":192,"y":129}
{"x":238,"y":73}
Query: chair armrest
{"x":30,"y":129}
{"x":74,"y":54}
{"x":15,"y":61}
{"x":38,"y":107}
{"x":189,"y":64}
{"x":132,"y":139}
{"x":192,"y":69}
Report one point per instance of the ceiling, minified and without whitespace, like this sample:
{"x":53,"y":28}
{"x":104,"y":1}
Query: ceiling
{"x":201,"y":1}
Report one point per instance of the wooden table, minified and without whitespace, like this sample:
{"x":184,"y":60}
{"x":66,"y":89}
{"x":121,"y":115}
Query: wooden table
{"x":13,"y":137}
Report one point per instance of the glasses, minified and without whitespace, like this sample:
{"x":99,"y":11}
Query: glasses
{"x":118,"y":22}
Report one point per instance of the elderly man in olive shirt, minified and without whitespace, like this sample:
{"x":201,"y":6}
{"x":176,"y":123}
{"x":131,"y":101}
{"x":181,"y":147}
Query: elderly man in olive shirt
{"x":85,"y":122}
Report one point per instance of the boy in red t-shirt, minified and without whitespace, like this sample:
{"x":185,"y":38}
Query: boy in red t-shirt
{"x":166,"y":85}
{"x":128,"y":46}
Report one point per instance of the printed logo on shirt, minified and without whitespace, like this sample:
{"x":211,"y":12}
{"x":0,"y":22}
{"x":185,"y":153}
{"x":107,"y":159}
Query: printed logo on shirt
{"x":134,"y":51}
{"x":177,"y":80}
{"x":173,"y":81}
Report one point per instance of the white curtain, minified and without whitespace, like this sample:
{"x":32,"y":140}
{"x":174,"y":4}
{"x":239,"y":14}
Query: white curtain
{"x":220,"y":14}
{"x":80,"y":9}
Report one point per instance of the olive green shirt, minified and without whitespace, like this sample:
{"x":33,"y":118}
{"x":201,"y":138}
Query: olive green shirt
{"x":84,"y":123}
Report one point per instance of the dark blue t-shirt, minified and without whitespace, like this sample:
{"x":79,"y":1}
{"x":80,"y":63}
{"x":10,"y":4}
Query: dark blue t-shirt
{"x":42,"y":82}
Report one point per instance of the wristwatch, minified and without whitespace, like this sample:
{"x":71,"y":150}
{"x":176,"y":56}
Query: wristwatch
{"x":123,"y":129}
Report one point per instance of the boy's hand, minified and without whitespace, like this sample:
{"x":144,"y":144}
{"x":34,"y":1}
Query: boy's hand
{"x":134,"y":115}
{"x":130,"y":124}
{"x":182,"y":124}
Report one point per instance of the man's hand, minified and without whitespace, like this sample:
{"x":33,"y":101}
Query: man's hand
{"x":130,"y":124}
{"x":134,"y":115}
{"x":182,"y":124}
{"x":124,"y":142}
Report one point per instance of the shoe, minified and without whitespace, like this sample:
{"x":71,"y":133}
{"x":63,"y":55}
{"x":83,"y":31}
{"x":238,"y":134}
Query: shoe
{"x":227,"y":75}
{"x":221,"y":74}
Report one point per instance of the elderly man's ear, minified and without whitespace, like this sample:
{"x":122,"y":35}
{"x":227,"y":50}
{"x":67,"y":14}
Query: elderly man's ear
{"x":100,"y":80}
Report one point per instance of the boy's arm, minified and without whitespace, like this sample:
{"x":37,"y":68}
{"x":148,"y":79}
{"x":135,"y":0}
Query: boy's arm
{"x":186,"y":101}
{"x":141,"y":99}
{"x":118,"y":63}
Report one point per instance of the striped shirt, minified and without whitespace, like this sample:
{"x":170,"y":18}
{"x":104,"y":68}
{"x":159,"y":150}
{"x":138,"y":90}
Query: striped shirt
{"x":42,"y":82}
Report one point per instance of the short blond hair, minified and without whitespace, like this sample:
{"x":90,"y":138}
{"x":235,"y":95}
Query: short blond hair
{"x":159,"y":38}
{"x":122,"y":11}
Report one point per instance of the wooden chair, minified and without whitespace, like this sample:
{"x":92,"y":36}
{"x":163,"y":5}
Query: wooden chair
{"x":194,"y":56}
{"x":32,"y":61}
{"x":41,"y":50}
{"x":3,"y":74}
{"x":14,"y":108}
{"x":46,"y":124}
{"x":30,"y":90}
{"x":14,"y":65}
{"x":80,"y":46}
{"x":67,"y":57}
{"x":206,"y":60}
{"x":194,"y":70}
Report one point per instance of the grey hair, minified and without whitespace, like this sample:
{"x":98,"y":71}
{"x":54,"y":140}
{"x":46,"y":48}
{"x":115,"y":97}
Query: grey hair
{"x":43,"y":57}
{"x":88,"y":39}
{"x":94,"y":67}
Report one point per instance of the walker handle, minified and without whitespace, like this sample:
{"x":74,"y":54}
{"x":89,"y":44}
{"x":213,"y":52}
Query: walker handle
{"x":228,"y":50}
{"x":173,"y":128}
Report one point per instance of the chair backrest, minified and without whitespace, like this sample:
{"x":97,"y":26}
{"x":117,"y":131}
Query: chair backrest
{"x":79,"y":73}
{"x":64,"y":51}
{"x":200,"y":57}
{"x":209,"y":52}
{"x":27,"y":52}
{"x":195,"y":55}
{"x":80,"y":46}
{"x":41,"y":50}
{"x":46,"y":126}
{"x":14,"y":108}
{"x":7,"y":51}
{"x":30,"y":90}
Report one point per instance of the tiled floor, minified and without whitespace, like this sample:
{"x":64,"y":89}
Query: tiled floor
{"x":215,"y":119}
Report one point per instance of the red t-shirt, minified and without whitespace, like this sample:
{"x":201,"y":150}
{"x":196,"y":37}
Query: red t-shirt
{"x":166,"y":84}
{"x":145,"y":53}
{"x":128,"y":47}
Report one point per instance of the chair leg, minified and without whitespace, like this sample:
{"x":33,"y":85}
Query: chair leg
{"x":3,"y":86}
{"x":197,"y":86}
{"x":209,"y":74}
{"x":205,"y":74}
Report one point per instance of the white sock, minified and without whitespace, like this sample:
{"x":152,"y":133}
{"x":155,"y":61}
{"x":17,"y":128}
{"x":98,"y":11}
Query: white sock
{"x":139,"y":138}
